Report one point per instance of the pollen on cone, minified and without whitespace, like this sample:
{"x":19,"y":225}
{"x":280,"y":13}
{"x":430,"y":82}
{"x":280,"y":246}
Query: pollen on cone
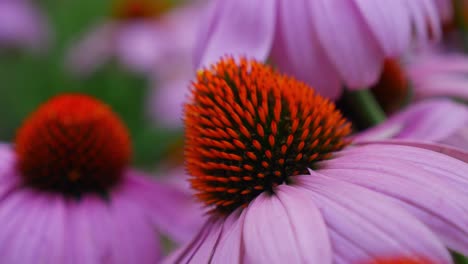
{"x":248,"y":128}
{"x":72,"y":144}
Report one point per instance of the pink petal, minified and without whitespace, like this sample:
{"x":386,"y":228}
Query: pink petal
{"x":285,"y":229}
{"x":431,"y":186}
{"x":425,"y":18}
{"x":173,"y":211}
{"x":307,"y":224}
{"x":241,"y":27}
{"x":431,"y":120}
{"x":295,"y":35}
{"x":229,"y":249}
{"x":31,"y":225}
{"x":138,"y":241}
{"x":167,"y":100}
{"x":140,"y":45}
{"x":206,"y":249}
{"x":389,"y":22}
{"x":89,"y":53}
{"x":185,"y":253}
{"x":364,"y":225}
{"x":347,"y":41}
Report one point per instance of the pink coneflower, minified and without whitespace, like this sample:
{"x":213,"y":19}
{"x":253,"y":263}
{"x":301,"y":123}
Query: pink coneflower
{"x":140,"y":34}
{"x":269,"y":158}
{"x":22,"y":25}
{"x":325,"y":43}
{"x":68,"y":195}
{"x":437,"y":120}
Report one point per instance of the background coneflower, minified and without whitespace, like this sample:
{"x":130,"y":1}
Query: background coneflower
{"x":68,"y":194}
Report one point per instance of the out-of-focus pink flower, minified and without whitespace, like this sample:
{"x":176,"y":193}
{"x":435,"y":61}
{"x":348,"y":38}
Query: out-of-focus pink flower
{"x":140,"y":41}
{"x":68,"y":194}
{"x":437,"y":120}
{"x":270,"y":159}
{"x":328,"y":44}
{"x":435,"y":73}
{"x":171,"y":76}
{"x":22,"y":25}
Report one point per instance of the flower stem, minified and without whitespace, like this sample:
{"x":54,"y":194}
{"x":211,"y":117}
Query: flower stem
{"x":460,"y":22}
{"x":364,"y":107}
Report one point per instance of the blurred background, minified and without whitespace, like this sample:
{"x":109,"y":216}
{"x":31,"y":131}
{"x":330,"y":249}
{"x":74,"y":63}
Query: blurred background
{"x":37,"y":42}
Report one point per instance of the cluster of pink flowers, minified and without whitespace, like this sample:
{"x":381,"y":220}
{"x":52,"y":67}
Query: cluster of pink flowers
{"x":290,"y":152}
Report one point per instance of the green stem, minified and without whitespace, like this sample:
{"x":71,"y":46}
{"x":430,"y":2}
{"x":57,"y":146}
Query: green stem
{"x":459,"y":258}
{"x":460,"y":22}
{"x":364,"y":107}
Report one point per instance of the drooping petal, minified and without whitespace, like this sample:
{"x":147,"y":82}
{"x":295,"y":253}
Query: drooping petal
{"x":431,"y":186}
{"x":240,"y":27}
{"x":364,"y":225}
{"x":203,"y":246}
{"x":173,"y":211}
{"x":430,"y":120}
{"x":354,"y":52}
{"x":31,"y":225}
{"x":276,"y":233}
{"x":425,"y":20}
{"x":389,"y":22}
{"x":295,"y":35}
{"x":230,"y":247}
{"x":433,"y":73}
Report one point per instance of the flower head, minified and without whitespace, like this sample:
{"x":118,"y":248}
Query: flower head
{"x":73,"y":143}
{"x":270,"y":159}
{"x":74,"y":196}
{"x":248,"y":129}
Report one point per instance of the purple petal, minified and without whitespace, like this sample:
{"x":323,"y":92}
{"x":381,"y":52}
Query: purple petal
{"x":307,"y":224}
{"x":173,"y":211}
{"x":22,"y":24}
{"x":285,"y":229}
{"x":140,"y":45}
{"x":89,"y":53}
{"x":447,"y":150}
{"x":431,"y":186}
{"x":436,"y":74}
{"x":431,"y":120}
{"x":425,"y":19}
{"x":138,"y":243}
{"x":32,"y":224}
{"x":203,"y":246}
{"x":347,"y":41}
{"x":296,"y":34}
{"x":229,"y":249}
{"x":389,"y":22}
{"x":167,"y":99}
{"x":206,"y":249}
{"x":364,"y":225}
{"x":240,"y":27}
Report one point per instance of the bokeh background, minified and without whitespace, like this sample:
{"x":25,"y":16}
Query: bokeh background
{"x":28,"y":78}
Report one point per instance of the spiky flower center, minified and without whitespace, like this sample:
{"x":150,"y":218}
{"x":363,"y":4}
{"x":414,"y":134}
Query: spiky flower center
{"x":139,"y":9}
{"x":249,"y":128}
{"x":72,"y":144}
